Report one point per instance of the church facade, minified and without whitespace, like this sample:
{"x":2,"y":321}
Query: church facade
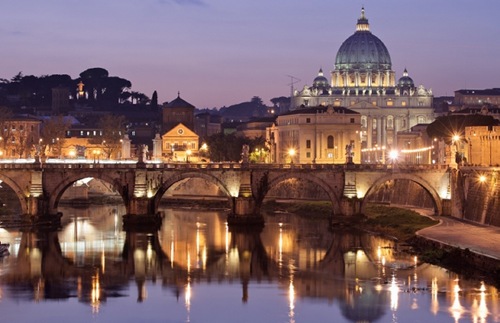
{"x":363,"y":81}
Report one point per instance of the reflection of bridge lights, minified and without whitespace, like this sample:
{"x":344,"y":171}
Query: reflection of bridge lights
{"x":480,"y":312}
{"x":95,"y":294}
{"x":434,"y":294}
{"x":291,"y":300}
{"x":187,"y":297}
{"x":456,"y":308}
{"x":394,"y":289}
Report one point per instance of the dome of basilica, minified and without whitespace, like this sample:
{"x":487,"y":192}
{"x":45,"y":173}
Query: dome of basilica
{"x":363,"y":50}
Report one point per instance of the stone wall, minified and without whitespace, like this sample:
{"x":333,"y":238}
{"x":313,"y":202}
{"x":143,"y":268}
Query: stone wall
{"x":402,"y":192}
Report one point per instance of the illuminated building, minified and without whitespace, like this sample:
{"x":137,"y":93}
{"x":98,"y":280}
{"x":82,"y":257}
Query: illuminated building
{"x":477,"y":97}
{"x":363,"y":81}
{"x":315,"y":135}
{"x":18,"y":135}
{"x":180,"y":144}
{"x":483,"y":145}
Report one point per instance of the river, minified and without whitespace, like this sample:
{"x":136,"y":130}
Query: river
{"x":196,"y":268}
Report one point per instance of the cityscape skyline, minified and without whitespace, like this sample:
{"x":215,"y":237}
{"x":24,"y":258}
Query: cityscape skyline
{"x":217,"y":54}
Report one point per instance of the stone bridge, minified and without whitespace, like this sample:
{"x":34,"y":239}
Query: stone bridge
{"x":142,"y":185}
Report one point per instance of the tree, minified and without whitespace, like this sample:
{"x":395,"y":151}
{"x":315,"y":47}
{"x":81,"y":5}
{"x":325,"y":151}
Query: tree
{"x":445,"y":127}
{"x":154,"y":101}
{"x":225,"y":147}
{"x":53,"y":134}
{"x":93,"y":79}
{"x":113,"y":128}
{"x":113,"y":87}
{"x":5,"y":129}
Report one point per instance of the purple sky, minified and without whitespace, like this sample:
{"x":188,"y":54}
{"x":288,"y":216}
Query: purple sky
{"x":221,"y":52}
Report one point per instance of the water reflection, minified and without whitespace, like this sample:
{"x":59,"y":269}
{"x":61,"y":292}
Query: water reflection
{"x":303,"y":263}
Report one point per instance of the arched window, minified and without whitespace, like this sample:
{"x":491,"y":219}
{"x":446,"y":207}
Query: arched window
{"x":390,"y":122}
{"x":329,"y":142}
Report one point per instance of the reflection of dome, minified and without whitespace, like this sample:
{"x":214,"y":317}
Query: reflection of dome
{"x":364,"y":307}
{"x":363,"y":50}
{"x":405,"y":80}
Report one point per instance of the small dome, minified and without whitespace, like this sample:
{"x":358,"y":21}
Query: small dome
{"x":405,"y":80}
{"x":320,"y":81}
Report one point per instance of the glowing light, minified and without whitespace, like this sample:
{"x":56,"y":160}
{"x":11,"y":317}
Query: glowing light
{"x":455,"y":138}
{"x":434,"y":293}
{"x":394,"y":289}
{"x":482,"y":311}
{"x":456,"y":309}
{"x":482,"y":178}
{"x":291,"y":299}
{"x":95,"y":294}
{"x":393,"y":155}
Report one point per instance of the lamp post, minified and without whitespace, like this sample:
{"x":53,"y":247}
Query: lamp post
{"x":291,"y":153}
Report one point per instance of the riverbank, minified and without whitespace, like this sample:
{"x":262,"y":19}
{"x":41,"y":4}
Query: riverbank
{"x":468,"y":249}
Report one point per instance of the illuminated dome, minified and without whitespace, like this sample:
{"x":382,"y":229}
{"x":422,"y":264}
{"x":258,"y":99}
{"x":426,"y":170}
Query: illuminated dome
{"x":405,"y":80}
{"x":320,"y":81}
{"x":363,"y":50}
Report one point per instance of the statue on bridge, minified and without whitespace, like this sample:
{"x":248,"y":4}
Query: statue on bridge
{"x":349,"y":153}
{"x":245,"y":153}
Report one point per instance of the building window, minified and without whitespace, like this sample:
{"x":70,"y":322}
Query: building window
{"x":403,"y":103}
{"x":363,"y":122}
{"x":390,"y":122}
{"x":330,"y":155}
{"x":420,"y":119}
{"x":352,"y":120}
{"x":308,"y":143}
{"x":308,"y":154}
{"x":308,"y":120}
{"x":329,"y":142}
{"x":390,"y":103}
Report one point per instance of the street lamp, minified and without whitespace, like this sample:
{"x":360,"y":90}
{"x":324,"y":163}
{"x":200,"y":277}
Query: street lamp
{"x":393,"y":156}
{"x":291,"y":153}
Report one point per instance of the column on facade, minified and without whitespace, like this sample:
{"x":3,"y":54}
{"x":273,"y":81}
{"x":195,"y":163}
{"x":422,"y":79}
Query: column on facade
{"x":369,"y":132}
{"x":379,"y":131}
{"x":319,"y":145}
{"x":394,"y":133}
{"x":383,"y":127}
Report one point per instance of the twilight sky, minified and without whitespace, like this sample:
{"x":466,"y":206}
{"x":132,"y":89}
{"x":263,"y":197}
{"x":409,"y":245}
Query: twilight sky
{"x":222,"y":52}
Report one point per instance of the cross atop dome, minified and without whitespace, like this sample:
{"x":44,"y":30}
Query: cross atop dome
{"x":362,"y":24}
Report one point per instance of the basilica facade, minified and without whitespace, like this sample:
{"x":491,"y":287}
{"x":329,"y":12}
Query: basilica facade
{"x":363,"y":81}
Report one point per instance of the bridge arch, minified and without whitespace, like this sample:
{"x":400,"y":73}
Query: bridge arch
{"x":19,"y":192}
{"x":189,"y":175}
{"x":438,"y":206}
{"x":333,"y":197}
{"x":56,"y":194}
